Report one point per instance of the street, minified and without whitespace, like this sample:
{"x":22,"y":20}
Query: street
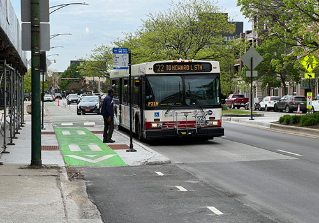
{"x":252,"y":174}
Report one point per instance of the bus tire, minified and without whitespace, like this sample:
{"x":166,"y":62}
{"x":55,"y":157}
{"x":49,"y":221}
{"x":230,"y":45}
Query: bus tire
{"x":138,"y":131}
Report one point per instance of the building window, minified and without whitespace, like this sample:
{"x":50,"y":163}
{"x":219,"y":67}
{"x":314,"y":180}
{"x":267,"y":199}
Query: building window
{"x":275,"y":92}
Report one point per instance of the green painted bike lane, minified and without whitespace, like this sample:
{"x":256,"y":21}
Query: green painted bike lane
{"x":80,"y":147}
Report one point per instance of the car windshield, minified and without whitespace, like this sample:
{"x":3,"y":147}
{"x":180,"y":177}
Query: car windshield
{"x":300,"y":99}
{"x":238,"y":96}
{"x":47,"y":95}
{"x":90,"y":99}
{"x":73,"y":96}
{"x":187,"y":90}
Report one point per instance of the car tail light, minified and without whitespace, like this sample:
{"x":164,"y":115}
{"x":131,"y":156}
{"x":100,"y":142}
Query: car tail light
{"x":293,"y":102}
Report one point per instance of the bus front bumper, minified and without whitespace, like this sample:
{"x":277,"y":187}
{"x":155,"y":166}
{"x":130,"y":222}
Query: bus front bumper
{"x":173,"y":133}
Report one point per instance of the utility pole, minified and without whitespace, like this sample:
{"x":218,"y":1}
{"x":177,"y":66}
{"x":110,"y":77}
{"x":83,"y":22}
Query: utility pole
{"x":35,"y":85}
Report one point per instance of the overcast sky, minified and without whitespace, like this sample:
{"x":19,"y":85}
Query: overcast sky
{"x":103,"y":21}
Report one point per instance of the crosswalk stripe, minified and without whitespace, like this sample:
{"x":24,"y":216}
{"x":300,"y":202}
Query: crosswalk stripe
{"x":80,"y":132}
{"x":89,"y":123}
{"x":66,"y":133}
{"x":95,"y":147}
{"x":67,"y":123}
{"x":74,"y":147}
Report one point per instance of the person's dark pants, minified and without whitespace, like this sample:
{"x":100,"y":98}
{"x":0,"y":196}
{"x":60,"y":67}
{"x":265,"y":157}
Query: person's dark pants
{"x":108,"y":128}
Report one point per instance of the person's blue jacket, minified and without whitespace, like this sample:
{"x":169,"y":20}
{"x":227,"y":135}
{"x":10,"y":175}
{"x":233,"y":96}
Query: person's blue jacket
{"x":107,"y":107}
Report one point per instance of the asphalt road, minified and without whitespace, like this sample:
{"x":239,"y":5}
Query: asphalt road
{"x":250,"y":175}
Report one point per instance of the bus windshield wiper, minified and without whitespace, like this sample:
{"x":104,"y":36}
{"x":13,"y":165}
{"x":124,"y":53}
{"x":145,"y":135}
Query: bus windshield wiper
{"x":175,"y":99}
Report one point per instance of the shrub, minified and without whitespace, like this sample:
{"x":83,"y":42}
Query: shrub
{"x":295,"y":119}
{"x":285,"y":119}
{"x":310,"y":121}
{"x":224,"y":107}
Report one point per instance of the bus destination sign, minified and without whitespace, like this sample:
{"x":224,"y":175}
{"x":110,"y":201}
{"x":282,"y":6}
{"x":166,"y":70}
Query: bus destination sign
{"x":171,"y":67}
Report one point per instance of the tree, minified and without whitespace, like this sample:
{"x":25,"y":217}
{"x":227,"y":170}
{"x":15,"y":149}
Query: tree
{"x":278,"y":66}
{"x":71,"y":72}
{"x":98,"y":63}
{"x":192,"y":29}
{"x":294,"y":22}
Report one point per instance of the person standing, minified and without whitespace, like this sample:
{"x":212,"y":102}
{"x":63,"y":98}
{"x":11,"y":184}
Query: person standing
{"x":108,"y":115}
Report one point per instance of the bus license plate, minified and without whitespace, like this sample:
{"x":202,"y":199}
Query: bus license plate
{"x":200,"y":120}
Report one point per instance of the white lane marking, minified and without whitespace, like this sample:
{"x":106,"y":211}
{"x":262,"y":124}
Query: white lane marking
{"x":90,"y":155}
{"x":94,"y":147}
{"x":92,"y":161}
{"x":80,"y":132}
{"x":159,"y":173}
{"x":283,"y":151}
{"x":74,"y":147}
{"x":89,"y":123}
{"x":181,"y":188}
{"x":66,"y":133}
{"x":215,"y":210}
{"x":67,"y":123}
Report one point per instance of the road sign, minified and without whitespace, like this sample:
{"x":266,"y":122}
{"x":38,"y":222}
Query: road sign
{"x":309,"y":62}
{"x":310,"y":75}
{"x":309,"y":100}
{"x":120,"y":58}
{"x":251,"y":53}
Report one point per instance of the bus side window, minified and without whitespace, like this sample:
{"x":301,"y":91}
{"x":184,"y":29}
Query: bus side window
{"x":125,"y":90}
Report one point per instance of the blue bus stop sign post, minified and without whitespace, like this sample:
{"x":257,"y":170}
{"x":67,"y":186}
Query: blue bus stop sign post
{"x":122,"y":60}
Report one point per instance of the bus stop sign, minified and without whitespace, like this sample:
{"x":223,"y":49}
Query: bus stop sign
{"x":120,"y":58}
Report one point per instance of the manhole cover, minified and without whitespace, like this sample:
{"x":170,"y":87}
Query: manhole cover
{"x":49,"y":148}
{"x":119,"y":146}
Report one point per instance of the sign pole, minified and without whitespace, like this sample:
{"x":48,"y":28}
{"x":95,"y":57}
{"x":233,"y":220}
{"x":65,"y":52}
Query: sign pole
{"x":131,"y":149}
{"x":251,"y":90}
{"x":35,"y":85}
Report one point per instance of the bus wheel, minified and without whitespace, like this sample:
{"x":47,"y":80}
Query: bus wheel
{"x":138,"y":131}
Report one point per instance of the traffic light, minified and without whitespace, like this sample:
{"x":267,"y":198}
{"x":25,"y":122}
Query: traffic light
{"x":84,"y":81}
{"x":68,"y":79}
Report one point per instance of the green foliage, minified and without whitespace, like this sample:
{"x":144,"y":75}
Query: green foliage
{"x":301,"y":120}
{"x":71,"y":72}
{"x":224,"y":107}
{"x":291,"y":21}
{"x":98,"y":63}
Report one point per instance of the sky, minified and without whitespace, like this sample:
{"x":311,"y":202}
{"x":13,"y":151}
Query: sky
{"x":83,"y":28}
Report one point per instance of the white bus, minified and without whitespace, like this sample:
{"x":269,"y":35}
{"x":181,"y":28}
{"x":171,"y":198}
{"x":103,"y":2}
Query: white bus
{"x":176,"y":98}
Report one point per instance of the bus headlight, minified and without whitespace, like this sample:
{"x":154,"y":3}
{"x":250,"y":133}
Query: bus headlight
{"x":212,"y":123}
{"x":156,"y":125}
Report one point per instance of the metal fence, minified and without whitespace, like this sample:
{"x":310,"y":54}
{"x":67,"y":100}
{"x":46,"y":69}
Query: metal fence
{"x":11,"y":103}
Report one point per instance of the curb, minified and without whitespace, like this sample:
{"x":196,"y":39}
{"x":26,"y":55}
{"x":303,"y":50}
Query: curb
{"x":294,"y":128}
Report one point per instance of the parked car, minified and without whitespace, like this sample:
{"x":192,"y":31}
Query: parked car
{"x":58,"y":96}
{"x":89,"y":104}
{"x":315,"y":106}
{"x":316,"y":98}
{"x":268,"y":103}
{"x":47,"y":97}
{"x":236,"y":101}
{"x":256,"y":104}
{"x":73,"y":98}
{"x":289,"y":103}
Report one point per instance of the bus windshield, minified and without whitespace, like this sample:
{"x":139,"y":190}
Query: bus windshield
{"x":187,"y":90}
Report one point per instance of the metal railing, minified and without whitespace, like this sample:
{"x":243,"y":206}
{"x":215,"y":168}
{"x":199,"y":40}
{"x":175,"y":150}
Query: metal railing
{"x":11,"y":103}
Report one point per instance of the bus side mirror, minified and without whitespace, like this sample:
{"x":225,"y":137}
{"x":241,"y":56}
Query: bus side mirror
{"x":113,"y":83}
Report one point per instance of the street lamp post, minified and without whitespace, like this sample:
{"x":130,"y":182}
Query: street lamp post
{"x":57,"y":7}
